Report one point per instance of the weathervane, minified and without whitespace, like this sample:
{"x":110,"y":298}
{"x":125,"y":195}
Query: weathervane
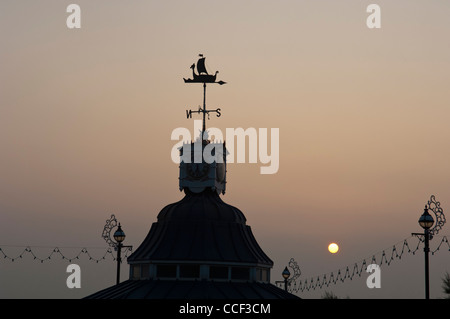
{"x":202,"y":77}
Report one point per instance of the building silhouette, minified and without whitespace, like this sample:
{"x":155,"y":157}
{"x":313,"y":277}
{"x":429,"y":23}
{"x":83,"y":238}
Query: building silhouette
{"x":200,"y":247}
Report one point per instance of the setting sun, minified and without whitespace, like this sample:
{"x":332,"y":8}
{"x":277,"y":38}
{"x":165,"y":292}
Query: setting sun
{"x":333,"y":248}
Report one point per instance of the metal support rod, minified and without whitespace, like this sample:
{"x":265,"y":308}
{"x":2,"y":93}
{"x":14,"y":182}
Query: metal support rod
{"x":285,"y":284}
{"x":427,"y":269}
{"x":204,"y":109}
{"x":426,"y":238}
{"x":119,"y":260}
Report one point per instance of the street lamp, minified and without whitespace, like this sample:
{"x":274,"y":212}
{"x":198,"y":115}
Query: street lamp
{"x":286,"y":274}
{"x":426,"y":221}
{"x":119,"y":237}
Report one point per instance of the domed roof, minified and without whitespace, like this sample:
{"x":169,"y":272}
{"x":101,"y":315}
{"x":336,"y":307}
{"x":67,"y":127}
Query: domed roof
{"x":201,"y":227}
{"x":204,"y":206}
{"x":171,"y":289}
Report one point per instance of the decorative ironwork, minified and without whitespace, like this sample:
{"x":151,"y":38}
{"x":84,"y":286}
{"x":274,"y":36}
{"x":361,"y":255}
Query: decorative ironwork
{"x":291,"y":281}
{"x":200,"y":110}
{"x":436,"y":208}
{"x":106,"y":235}
{"x":295,"y":267}
{"x":117,"y":244}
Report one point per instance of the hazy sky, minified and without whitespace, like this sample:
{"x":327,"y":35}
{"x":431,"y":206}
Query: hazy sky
{"x":86,"y":117}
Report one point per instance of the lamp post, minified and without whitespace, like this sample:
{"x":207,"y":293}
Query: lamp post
{"x":286,"y":274}
{"x":426,"y":221}
{"x":119,"y":237}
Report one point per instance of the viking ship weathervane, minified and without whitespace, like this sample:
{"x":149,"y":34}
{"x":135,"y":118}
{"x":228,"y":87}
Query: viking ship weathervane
{"x":202,"y":77}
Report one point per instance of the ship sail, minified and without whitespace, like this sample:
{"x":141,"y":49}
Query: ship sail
{"x":201,"y":66}
{"x":202,"y":76}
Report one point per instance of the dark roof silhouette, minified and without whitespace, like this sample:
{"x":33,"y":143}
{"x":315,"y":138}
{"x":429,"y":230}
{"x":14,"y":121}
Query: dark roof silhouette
{"x":201,"y":289}
{"x":200,"y":247}
{"x":201,"y":227}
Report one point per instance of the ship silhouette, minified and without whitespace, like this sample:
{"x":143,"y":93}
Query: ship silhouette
{"x":203,"y":76}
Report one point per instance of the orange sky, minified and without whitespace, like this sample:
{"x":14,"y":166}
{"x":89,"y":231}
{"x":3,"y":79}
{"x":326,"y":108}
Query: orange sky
{"x":86,"y":118}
